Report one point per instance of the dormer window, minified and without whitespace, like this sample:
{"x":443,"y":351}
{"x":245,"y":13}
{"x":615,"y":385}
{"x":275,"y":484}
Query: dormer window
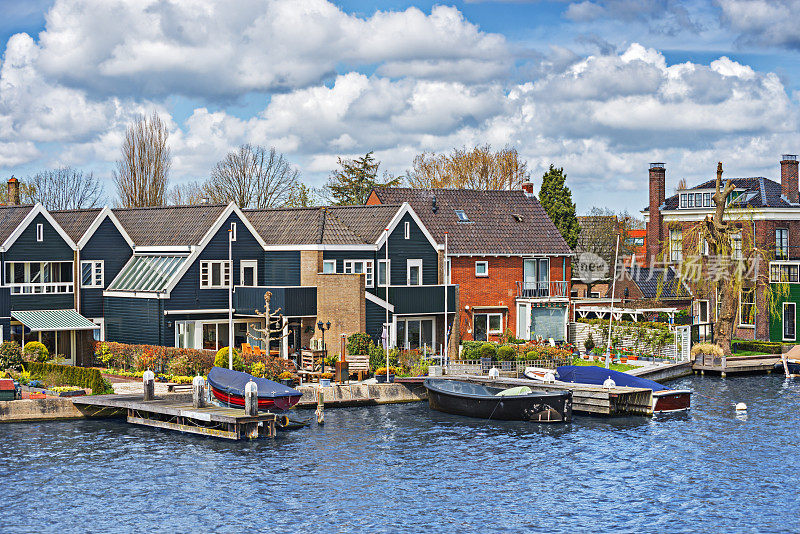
{"x":39,"y":232}
{"x":695,"y":200}
{"x":462,"y":217}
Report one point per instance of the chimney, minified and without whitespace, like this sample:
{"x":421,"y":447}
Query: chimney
{"x":527,"y":187}
{"x":13,"y":190}
{"x":654,"y":224}
{"x":789,"y":177}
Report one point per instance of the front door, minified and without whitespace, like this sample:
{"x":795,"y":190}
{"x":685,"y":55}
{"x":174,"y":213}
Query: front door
{"x":702,"y":311}
{"x":524,"y":321}
{"x":789,"y":316}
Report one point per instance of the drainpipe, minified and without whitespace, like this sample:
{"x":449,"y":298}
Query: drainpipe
{"x":76,"y":280}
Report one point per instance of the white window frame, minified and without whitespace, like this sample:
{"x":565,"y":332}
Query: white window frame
{"x":27,"y":286}
{"x":97,"y":281}
{"x":736,"y":246}
{"x":413,"y":263}
{"x":102,"y":324}
{"x":448,"y":271}
{"x":407,"y":230}
{"x":675,"y":244}
{"x":782,"y":246}
{"x":233,"y":231}
{"x":243,"y":264}
{"x":747,"y":325}
{"x":206,"y":268}
{"x":702,"y":244}
{"x":367,"y":269}
{"x":489,"y":331}
{"x":405,"y":319}
{"x":486,"y":269}
{"x":388,"y":267}
{"x":331,"y":263}
{"x":783,"y":322}
{"x":40,"y":232}
{"x":462,"y":216}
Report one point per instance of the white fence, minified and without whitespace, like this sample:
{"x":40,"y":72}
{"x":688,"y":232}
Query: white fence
{"x":578,"y":332}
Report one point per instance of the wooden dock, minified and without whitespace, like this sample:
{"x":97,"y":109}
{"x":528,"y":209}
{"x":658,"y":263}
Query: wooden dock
{"x":586,"y":399}
{"x":735,"y":364}
{"x":178,"y":413}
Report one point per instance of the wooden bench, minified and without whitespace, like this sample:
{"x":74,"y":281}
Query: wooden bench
{"x":175,"y":388}
{"x":358,"y":363}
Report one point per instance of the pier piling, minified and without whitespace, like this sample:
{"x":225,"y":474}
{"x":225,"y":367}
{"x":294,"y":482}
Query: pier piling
{"x":149,"y":383}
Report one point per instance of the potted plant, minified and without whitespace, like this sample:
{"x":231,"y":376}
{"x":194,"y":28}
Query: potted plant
{"x":380,"y":374}
{"x":286,"y":378}
{"x":589,"y":344}
{"x":325,"y":379}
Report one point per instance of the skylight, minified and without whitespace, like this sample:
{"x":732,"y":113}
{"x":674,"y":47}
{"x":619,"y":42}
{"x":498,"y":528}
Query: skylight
{"x":462,"y":217}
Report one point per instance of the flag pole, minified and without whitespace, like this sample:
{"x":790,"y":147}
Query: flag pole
{"x":611,"y":315}
{"x":230,"y":298}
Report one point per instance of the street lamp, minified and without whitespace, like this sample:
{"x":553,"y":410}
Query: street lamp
{"x":322,"y":327}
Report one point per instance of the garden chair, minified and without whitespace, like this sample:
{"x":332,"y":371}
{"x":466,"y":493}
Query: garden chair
{"x":247,"y":350}
{"x":257,"y":351}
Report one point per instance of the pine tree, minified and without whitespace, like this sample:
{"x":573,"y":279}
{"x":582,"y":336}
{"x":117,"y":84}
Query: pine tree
{"x":352,"y":184}
{"x":556,"y":199}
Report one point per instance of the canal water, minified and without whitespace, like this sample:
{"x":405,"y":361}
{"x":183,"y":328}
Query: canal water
{"x":403,"y":468}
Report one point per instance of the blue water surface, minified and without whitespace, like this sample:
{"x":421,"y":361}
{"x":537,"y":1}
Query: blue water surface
{"x":404,"y":468}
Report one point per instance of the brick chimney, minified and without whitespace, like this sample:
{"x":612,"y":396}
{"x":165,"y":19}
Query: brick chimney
{"x":527,"y":187}
{"x":654,"y":224}
{"x":789,"y":177}
{"x":13,"y":190}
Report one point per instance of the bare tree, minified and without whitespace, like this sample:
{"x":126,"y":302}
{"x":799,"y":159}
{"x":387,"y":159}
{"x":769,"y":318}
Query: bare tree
{"x":476,"y":168}
{"x":187,"y":194}
{"x":142,"y":173}
{"x":273,"y":324}
{"x":253,"y":177}
{"x":65,"y":189}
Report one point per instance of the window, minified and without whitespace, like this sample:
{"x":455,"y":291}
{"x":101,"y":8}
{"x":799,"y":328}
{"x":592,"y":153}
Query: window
{"x":448,"y":271}
{"x":383,"y":268}
{"x":698,"y":200}
{"x":783,"y":273}
{"x":789,"y":320}
{"x":215,"y":274}
{"x":414,"y":272}
{"x":39,"y":277}
{"x":675,"y":244}
{"x":92,"y":273}
{"x":481,"y":268}
{"x":328,"y":266}
{"x":233,"y":231}
{"x":683,"y":200}
{"x":486,"y":324}
{"x":594,"y":295}
{"x":184,"y":331}
{"x":99,"y":334}
{"x":707,"y":200}
{"x":747,"y":307}
{"x":414,"y":333}
{"x":782,"y":243}
{"x":736,"y":246}
{"x":39,"y":232}
{"x":462,"y":217}
{"x":690,"y":200}
{"x":407,"y":230}
{"x":248,"y":273}
{"x":361,"y":267}
{"x":702,"y":244}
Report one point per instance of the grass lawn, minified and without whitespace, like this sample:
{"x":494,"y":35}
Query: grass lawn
{"x":622,"y":367}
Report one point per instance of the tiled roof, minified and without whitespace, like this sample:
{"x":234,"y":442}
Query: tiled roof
{"x":75,"y":222}
{"x":500,"y":222}
{"x":648,"y":280}
{"x":766,"y":193}
{"x":345,"y":225}
{"x":10,"y":218}
{"x":168,"y":225}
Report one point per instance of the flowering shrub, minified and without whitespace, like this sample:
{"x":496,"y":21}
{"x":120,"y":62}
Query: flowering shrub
{"x":35,"y":351}
{"x":10,"y":355}
{"x":155,"y":357}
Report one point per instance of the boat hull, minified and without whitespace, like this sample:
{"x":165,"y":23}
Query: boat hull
{"x":794,"y":366}
{"x":279,"y":403}
{"x":671,"y":400}
{"x":474,"y":400}
{"x":228,"y":387}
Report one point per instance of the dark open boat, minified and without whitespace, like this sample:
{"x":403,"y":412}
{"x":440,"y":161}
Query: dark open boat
{"x":228,"y":388}
{"x":476,"y":400}
{"x":664,"y":399}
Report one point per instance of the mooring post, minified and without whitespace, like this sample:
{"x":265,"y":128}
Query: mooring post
{"x":251,"y":399}
{"x":149,"y":383}
{"x":320,"y":407}
{"x":198,"y":392}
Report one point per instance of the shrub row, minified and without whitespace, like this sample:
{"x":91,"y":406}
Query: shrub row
{"x":474,"y":350}
{"x":766,"y":347}
{"x":173,"y":360}
{"x":85,"y":377}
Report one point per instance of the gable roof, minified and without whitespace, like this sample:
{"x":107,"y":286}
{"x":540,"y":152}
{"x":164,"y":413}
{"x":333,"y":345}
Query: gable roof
{"x":30,"y":214}
{"x":75,"y":222}
{"x":499,"y":222}
{"x":10,"y":218}
{"x":164,"y":226}
{"x":648,"y":280}
{"x":765,"y":193}
{"x":323,"y":225}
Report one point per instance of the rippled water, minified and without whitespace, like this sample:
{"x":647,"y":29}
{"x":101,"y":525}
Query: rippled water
{"x":404,"y":468}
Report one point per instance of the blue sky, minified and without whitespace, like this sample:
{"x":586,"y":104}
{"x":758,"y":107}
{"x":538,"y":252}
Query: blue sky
{"x":600,"y":87}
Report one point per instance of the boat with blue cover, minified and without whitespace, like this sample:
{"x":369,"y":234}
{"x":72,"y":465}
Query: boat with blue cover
{"x":665,"y":399}
{"x":227,"y":386}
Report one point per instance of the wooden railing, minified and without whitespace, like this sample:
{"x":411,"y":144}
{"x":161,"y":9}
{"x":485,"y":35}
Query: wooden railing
{"x":42,"y":288}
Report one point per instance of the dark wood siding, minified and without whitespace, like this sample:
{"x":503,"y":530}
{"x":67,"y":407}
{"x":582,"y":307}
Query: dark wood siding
{"x":106,"y":244}
{"x":376,"y":315}
{"x":187,"y":294}
{"x":281,"y":268}
{"x":136,"y":321}
{"x":416,"y":246}
{"x":52,"y":248}
{"x":61,"y":301}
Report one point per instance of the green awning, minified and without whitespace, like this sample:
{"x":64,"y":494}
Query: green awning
{"x":49,"y":320}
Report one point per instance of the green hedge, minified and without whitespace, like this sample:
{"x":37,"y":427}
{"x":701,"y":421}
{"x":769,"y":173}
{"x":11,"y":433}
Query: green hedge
{"x":765,"y":347}
{"x":84,"y":377}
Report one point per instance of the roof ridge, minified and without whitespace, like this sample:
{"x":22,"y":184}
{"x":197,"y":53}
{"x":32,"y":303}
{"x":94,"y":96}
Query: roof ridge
{"x":171,"y":206}
{"x":348,"y":226}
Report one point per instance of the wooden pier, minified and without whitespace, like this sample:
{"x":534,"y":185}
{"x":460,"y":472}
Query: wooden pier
{"x":586,"y":399}
{"x":176,"y":412}
{"x":735,"y":364}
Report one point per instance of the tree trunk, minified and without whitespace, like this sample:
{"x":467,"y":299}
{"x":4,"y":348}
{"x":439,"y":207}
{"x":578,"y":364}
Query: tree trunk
{"x":723,"y":328}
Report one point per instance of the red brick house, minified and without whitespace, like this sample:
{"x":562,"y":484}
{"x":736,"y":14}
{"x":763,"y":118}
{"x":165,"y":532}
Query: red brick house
{"x":765,"y":210}
{"x":510,"y":262}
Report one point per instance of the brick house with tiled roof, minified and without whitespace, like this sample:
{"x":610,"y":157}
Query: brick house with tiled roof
{"x":510,"y":262}
{"x":767,"y":213}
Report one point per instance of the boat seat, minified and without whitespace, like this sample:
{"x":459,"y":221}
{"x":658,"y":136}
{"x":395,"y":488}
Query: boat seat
{"x":519,"y":390}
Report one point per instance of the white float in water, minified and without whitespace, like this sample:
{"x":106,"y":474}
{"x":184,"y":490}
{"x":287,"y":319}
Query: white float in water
{"x":741,"y":407}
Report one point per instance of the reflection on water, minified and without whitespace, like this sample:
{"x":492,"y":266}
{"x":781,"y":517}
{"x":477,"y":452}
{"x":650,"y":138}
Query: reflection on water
{"x":404,"y":468}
